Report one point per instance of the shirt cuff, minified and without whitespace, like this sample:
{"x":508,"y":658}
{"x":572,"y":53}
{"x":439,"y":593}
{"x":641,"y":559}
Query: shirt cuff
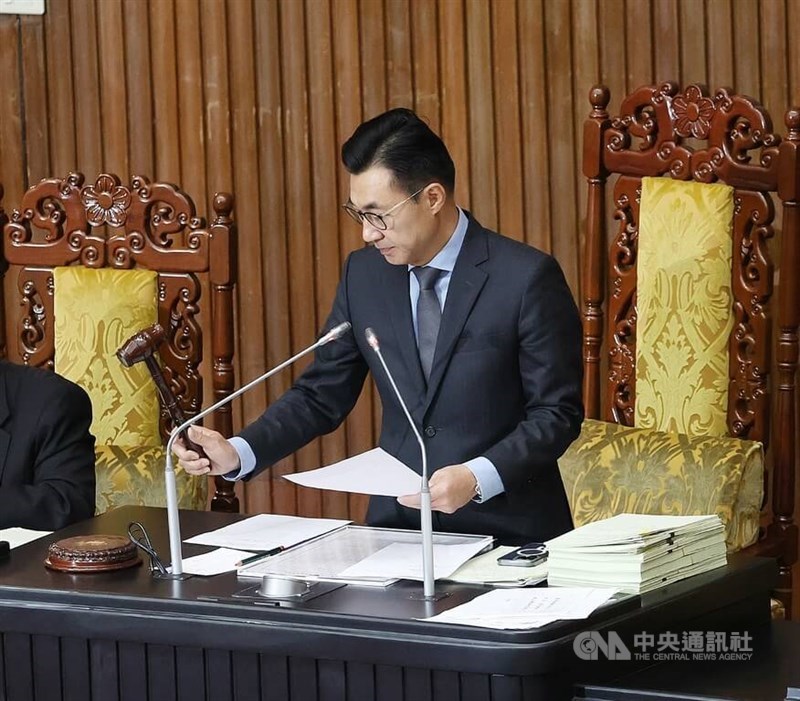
{"x":489,"y":482}
{"x":247,"y":459}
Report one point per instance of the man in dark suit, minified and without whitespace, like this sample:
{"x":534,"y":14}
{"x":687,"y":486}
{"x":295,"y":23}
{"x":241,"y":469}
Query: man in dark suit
{"x":46,"y":451}
{"x":480,"y":331}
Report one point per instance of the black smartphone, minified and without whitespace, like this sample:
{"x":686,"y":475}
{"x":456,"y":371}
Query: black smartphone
{"x":528,"y":555}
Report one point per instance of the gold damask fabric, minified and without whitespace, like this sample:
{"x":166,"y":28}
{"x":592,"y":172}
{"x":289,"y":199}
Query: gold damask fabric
{"x":135,"y":476}
{"x":612,"y":469}
{"x":684,"y":305}
{"x":96,"y":311}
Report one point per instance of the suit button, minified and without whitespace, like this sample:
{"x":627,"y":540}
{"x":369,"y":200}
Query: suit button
{"x":430,"y":431}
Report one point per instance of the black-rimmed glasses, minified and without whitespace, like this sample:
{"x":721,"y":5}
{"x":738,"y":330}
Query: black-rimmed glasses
{"x":375,"y":220}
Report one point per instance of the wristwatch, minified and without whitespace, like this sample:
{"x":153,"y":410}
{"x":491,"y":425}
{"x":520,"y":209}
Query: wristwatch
{"x":478,"y":495}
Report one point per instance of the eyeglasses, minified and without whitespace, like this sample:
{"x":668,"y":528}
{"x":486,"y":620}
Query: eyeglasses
{"x":374,"y":219}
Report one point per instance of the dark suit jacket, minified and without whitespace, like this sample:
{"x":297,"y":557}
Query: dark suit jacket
{"x":505,"y":382}
{"x":46,"y":451}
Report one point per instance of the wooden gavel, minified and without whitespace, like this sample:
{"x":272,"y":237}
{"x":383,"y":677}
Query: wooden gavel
{"x":142,"y":346}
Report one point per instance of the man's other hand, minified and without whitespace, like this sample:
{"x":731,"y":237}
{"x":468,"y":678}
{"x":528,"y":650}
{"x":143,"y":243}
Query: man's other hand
{"x":451,"y":488}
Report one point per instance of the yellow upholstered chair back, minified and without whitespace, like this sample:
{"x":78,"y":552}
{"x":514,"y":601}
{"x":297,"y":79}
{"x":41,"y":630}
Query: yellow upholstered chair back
{"x":96,"y":311}
{"x":684,"y":305}
{"x":94,"y":264}
{"x":678,"y":307}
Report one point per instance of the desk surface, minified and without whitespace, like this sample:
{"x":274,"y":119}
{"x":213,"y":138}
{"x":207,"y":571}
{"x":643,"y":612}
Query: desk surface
{"x":357,"y":624}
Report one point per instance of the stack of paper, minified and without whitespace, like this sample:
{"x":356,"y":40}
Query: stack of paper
{"x":636,"y":553}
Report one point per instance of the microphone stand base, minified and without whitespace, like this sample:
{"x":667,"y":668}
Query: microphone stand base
{"x":174,"y":577}
{"x":437,"y":596}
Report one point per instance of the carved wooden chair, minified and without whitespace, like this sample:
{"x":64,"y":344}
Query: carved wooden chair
{"x":682,"y":297}
{"x":89,"y":266}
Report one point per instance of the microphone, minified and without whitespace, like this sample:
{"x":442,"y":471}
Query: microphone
{"x":169,"y":471}
{"x":426,"y":517}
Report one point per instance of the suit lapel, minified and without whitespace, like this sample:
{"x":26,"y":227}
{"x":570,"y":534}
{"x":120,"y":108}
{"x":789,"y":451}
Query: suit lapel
{"x":5,"y":437}
{"x":466,"y":283}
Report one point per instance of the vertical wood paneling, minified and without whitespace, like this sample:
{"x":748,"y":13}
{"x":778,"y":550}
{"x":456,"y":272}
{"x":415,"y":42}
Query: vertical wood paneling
{"x":533,"y":113}
{"x":483,"y":169}
{"x":424,"y":28}
{"x":165,"y":90}
{"x":639,"y":42}
{"x":398,"y":54}
{"x":113,"y":90}
{"x":720,"y":43}
{"x":140,"y":89}
{"x":455,"y":115}
{"x":35,"y":91}
{"x":746,"y":57}
{"x":562,"y":141}
{"x":793,"y":24}
{"x":61,"y":113}
{"x":693,"y":42}
{"x":190,"y":98}
{"x":256,"y":97}
{"x":613,"y":49}
{"x":505,"y":55}
{"x":12,"y":160}
{"x":85,"y":78}
{"x":774,"y":64}
{"x":666,"y":42}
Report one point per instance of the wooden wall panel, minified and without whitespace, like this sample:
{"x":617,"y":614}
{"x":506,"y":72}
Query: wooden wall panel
{"x":256,"y":96}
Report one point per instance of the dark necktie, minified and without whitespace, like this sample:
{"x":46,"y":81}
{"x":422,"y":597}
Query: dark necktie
{"x":429,"y":315}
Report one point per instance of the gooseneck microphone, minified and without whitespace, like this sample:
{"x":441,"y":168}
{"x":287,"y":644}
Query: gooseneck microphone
{"x":169,"y":472}
{"x":426,"y":517}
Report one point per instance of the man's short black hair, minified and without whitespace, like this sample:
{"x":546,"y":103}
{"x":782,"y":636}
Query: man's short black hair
{"x":401,"y":142}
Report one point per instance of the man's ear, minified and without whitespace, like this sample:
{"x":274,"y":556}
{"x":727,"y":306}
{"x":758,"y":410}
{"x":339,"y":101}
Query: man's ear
{"x":434,"y":197}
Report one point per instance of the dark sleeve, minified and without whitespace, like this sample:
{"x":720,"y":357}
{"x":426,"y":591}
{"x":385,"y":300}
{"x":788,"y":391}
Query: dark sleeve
{"x":551,"y":371}
{"x":62,"y":489}
{"x":319,"y":401}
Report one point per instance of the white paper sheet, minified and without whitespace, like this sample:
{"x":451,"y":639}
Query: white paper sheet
{"x":20,"y":536}
{"x":215,"y":562}
{"x":404,"y":561}
{"x":373,"y":472}
{"x":267,"y":531}
{"x":526,"y":608}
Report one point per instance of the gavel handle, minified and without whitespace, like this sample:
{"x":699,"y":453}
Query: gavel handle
{"x":171,"y":403}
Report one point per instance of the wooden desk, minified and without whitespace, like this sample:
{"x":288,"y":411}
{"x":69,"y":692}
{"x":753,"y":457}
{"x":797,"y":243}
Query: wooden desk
{"x":124,"y":635}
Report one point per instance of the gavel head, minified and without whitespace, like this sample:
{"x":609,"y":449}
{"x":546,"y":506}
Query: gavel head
{"x":141,"y":345}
